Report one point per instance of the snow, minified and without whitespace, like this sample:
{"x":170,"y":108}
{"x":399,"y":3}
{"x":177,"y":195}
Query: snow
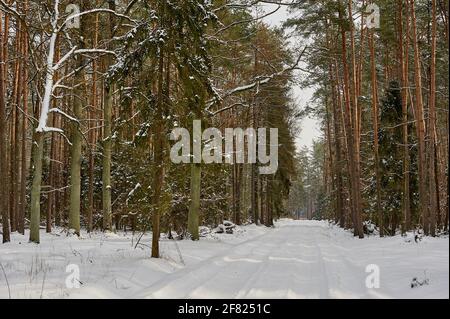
{"x":295,"y":259}
{"x":71,"y":118}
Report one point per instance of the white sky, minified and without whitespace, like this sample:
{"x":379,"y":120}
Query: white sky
{"x":310,"y":128}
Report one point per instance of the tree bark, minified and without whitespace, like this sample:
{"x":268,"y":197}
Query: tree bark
{"x":351,"y":142}
{"x":51,"y":194}
{"x":106,"y":169}
{"x":420,"y":126}
{"x":15,"y":126}
{"x":337,"y":142}
{"x":158,"y":178}
{"x":379,"y":212}
{"x":3,"y":160}
{"x":38,"y":153}
{"x":107,"y":134}
{"x":432,"y":127}
{"x":24,"y":168}
{"x":194,"y":209}
{"x":404,"y":58}
{"x":76,"y":148}
{"x":91,"y":134}
{"x":75,"y":167}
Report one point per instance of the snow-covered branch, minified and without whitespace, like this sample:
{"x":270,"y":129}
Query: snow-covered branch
{"x":9,"y":9}
{"x":98,"y":10}
{"x":49,"y":73}
{"x":75,"y":51}
{"x":64,"y":59}
{"x":261,"y":80}
{"x":58,"y":111}
{"x":239,"y":4}
{"x":247,"y":21}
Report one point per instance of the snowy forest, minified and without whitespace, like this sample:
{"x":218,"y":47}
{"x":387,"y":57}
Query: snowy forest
{"x":91,"y":91}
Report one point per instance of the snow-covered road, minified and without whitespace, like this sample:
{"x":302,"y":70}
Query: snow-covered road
{"x":308,"y":259}
{"x":285,"y":262}
{"x":295,"y":259}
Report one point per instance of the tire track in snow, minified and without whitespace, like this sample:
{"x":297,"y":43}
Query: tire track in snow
{"x":218,"y":277}
{"x":227,"y":267}
{"x":255,"y":277}
{"x":224,"y":265}
{"x":189,"y":271}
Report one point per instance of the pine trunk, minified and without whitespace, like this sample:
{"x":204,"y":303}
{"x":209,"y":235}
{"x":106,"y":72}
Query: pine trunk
{"x":432,"y":127}
{"x":106,"y":161}
{"x":3,"y":159}
{"x":24,"y":168}
{"x":404,"y":58}
{"x":351,"y":143}
{"x":379,"y":212}
{"x":194,"y":209}
{"x":420,"y":126}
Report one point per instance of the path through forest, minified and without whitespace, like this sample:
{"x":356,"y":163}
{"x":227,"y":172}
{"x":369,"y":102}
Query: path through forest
{"x":295,"y":259}
{"x":308,"y":259}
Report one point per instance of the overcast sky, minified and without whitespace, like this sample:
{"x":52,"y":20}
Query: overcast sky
{"x":310,"y":128}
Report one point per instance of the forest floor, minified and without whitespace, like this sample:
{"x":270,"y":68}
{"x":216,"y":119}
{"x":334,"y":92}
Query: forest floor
{"x":295,"y":259}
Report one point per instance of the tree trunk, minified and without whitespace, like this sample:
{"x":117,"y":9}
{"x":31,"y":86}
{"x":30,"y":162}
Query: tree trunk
{"x":379,"y":212}
{"x":38,"y":153}
{"x":259,"y":199}
{"x":238,"y":180}
{"x":3,"y":160}
{"x":106,"y":171}
{"x":75,"y":167}
{"x":254,"y":193}
{"x":15,"y":149}
{"x":337,"y":142}
{"x":194,"y":209}
{"x":432,"y":127}
{"x":420,"y":126}
{"x":158,"y":178}
{"x":76,"y":148}
{"x":91,"y":139}
{"x":51,"y":183}
{"x":351,"y":143}
{"x":405,"y":83}
{"x":24,"y":168}
{"x":107,"y":131}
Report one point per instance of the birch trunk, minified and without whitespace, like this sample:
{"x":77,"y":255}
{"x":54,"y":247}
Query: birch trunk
{"x":40,"y":131}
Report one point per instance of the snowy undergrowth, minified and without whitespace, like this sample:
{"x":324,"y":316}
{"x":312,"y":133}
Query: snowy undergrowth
{"x":402,"y":259}
{"x":111,"y":265}
{"x":296,"y":259}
